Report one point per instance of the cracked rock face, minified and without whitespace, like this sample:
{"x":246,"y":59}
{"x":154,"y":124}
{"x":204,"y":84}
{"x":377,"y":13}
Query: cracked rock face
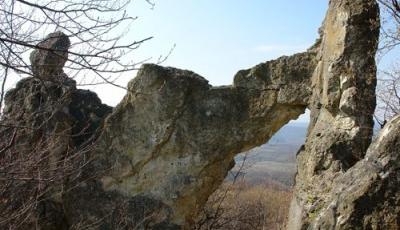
{"x":173,"y":137}
{"x":152,"y":161}
{"x":367,"y":195}
{"x":342,"y":106}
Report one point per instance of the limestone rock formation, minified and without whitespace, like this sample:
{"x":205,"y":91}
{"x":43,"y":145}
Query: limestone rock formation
{"x":49,"y":58}
{"x":367,"y":195}
{"x":45,"y":127}
{"x":173,"y":137}
{"x":164,"y":149}
{"x":152,"y":161}
{"x":342,"y":105}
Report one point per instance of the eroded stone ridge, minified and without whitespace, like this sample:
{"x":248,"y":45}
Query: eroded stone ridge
{"x":153,"y":160}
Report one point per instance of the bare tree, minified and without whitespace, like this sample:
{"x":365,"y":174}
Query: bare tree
{"x":237,"y":204}
{"x":388,"y":94}
{"x":96,"y":29}
{"x":44,"y":146}
{"x":390,"y":33}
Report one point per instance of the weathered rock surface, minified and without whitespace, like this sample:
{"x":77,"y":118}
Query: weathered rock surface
{"x":367,"y":195}
{"x":152,"y":161}
{"x":49,"y":58}
{"x":44,"y":126}
{"x":164,"y":149}
{"x":342,"y":105}
{"x":173,"y":137}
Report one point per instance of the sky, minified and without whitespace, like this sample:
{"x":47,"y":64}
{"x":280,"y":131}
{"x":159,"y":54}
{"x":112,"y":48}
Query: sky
{"x":218,"y":38}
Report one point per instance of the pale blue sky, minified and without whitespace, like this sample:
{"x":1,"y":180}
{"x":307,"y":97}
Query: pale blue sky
{"x":217,"y":38}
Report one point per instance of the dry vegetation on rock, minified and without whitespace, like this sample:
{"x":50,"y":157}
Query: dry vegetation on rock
{"x":242,"y":206}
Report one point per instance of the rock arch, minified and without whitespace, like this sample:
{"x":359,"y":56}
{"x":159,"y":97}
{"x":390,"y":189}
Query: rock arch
{"x":170,"y":142}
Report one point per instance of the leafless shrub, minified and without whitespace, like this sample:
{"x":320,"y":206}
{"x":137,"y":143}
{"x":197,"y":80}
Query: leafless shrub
{"x":390,"y":30}
{"x":42,"y":149}
{"x":247,"y":207}
{"x":99,"y":49}
{"x":239,"y":205}
{"x":388,"y":96}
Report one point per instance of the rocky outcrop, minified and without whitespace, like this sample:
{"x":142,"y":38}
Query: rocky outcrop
{"x":367,"y":195}
{"x":152,"y":161}
{"x":173,"y":137}
{"x":47,"y":123}
{"x":49,"y":57}
{"x":342,"y":105}
{"x":164,"y":149}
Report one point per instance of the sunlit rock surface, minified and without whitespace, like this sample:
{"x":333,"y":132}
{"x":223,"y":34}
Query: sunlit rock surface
{"x":173,"y":137}
{"x":342,"y":106}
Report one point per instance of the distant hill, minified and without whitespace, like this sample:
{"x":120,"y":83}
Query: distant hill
{"x":275,"y":161}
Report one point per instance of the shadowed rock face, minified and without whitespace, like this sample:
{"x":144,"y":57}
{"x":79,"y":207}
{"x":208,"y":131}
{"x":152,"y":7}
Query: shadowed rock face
{"x":152,"y":162}
{"x":44,"y":132}
{"x":49,"y":59}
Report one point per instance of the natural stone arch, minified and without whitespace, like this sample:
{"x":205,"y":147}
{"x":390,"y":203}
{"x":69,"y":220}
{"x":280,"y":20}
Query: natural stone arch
{"x":174,"y":137}
{"x":170,"y":142}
